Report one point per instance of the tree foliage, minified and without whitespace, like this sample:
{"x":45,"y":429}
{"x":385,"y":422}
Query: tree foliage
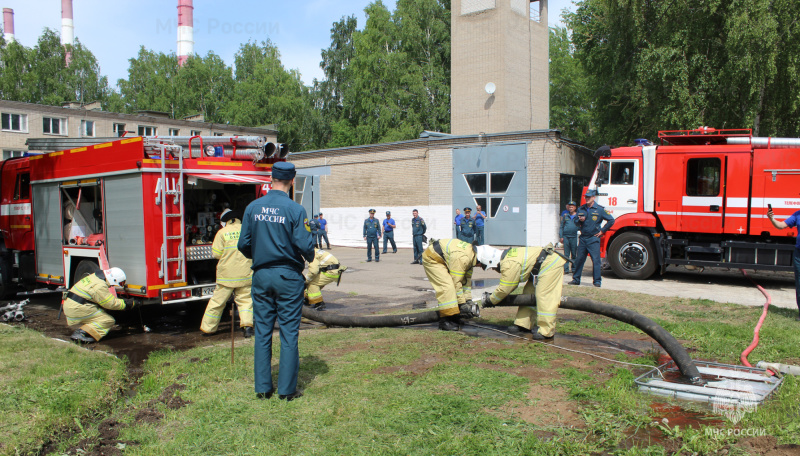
{"x":41,"y":75}
{"x":391,"y":80}
{"x":679,"y":64}
{"x":571,"y":104}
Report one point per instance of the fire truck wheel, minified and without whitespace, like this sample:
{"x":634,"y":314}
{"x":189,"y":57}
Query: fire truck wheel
{"x":85,"y":267}
{"x":632,"y":256}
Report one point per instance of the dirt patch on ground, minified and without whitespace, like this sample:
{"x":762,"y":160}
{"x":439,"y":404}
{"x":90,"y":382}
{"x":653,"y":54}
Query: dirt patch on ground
{"x":148,"y":416}
{"x":99,"y":447}
{"x":549,"y":407}
{"x":418,"y":367}
{"x":768,"y":446}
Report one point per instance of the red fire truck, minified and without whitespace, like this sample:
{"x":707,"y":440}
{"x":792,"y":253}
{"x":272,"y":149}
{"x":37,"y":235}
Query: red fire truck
{"x":699,"y":198}
{"x":149,"y":205}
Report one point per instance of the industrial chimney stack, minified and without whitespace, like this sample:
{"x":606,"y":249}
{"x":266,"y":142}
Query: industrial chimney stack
{"x":67,"y":27}
{"x":185,"y":30}
{"x":8,"y":24}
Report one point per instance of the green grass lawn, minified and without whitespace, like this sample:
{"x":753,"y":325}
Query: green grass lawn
{"x":51,"y":388}
{"x":405,"y":391}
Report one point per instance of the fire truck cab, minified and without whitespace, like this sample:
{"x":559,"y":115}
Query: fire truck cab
{"x":699,"y":198}
{"x":150,"y":206}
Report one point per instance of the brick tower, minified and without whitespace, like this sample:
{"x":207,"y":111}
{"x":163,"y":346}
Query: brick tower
{"x":505,"y":43}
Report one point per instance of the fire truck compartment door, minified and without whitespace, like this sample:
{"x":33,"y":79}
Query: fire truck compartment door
{"x":47,"y":230}
{"x":232,"y":178}
{"x":126,"y":240}
{"x":703,"y":187}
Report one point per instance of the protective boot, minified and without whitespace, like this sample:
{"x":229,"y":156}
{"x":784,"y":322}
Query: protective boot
{"x":319,"y":306}
{"x":247,"y":332}
{"x":516,"y":329}
{"x":82,"y":336}
{"x":537,"y":336}
{"x":450,"y":323}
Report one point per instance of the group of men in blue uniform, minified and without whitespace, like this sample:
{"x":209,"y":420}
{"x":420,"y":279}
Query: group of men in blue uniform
{"x":581,"y":230}
{"x":373,"y":231}
{"x":468,"y":228}
{"x":319,"y":231}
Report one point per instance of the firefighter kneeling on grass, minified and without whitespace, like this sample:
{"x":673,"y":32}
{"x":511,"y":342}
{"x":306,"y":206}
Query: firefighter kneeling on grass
{"x":323,"y":270}
{"x":234,"y":276}
{"x":84,"y":303}
{"x":448,"y":264}
{"x":543,"y":270}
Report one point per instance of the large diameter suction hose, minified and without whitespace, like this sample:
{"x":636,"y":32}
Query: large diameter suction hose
{"x":375,"y":321}
{"x":468,"y":310}
{"x":652,"y":329}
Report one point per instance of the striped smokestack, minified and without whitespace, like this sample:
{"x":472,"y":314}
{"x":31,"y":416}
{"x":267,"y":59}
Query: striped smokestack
{"x":185,"y":30}
{"x":8,"y":24}
{"x":67,"y":26}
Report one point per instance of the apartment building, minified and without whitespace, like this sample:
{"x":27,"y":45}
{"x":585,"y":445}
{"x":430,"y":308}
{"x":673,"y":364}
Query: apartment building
{"x":20,"y":121}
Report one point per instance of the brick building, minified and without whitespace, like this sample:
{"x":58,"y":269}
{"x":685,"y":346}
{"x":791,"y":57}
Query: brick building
{"x":501,"y":153}
{"x":20,"y":121}
{"x":423,"y":174}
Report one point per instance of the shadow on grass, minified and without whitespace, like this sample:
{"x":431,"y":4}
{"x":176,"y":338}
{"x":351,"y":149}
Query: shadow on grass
{"x":310,"y":367}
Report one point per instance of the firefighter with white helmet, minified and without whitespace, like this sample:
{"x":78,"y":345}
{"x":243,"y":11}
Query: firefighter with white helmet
{"x":448,"y":264}
{"x":543,"y":272}
{"x":234,"y":276}
{"x":323,"y":270}
{"x":85,"y":301}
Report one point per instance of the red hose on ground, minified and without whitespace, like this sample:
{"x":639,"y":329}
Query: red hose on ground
{"x":754,"y":343}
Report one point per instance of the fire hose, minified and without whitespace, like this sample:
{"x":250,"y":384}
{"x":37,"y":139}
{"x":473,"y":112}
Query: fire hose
{"x":664,"y":338}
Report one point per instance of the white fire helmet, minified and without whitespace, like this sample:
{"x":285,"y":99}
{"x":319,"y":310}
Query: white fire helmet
{"x":222,"y":215}
{"x":488,"y":256}
{"x":114,"y":276}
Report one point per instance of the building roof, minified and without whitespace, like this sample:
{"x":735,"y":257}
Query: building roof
{"x":145,"y":117}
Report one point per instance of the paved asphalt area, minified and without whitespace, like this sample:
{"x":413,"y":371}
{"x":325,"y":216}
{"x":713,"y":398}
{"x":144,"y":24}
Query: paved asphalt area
{"x":393,"y":282}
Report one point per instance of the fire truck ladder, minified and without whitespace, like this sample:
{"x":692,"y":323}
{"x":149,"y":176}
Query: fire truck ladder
{"x":169,"y":236}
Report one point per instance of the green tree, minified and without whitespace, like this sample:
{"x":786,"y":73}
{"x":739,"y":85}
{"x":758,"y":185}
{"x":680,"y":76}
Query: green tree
{"x":41,"y":74}
{"x":329,"y":94}
{"x":266,"y":93}
{"x":152,"y":84}
{"x":571,"y":106}
{"x":206,"y":87}
{"x":680,"y":64}
{"x":395,"y":81}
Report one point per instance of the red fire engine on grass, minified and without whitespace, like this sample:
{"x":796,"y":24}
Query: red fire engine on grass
{"x":699,"y":198}
{"x":149,"y":205}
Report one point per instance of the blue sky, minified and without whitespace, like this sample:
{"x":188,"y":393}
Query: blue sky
{"x":114,"y":30}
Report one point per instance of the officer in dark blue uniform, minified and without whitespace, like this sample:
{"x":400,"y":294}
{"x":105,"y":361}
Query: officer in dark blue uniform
{"x":372,"y":232}
{"x":276,"y":236}
{"x":314,"y":226}
{"x":590,"y":222}
{"x":418,"y":229}
{"x":466,"y":230}
{"x":568,"y":234}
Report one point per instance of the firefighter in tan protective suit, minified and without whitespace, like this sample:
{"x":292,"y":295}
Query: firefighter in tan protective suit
{"x":85,"y":301}
{"x":543,"y":272}
{"x":323,"y":270}
{"x":234,"y":276}
{"x":448,"y":264}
